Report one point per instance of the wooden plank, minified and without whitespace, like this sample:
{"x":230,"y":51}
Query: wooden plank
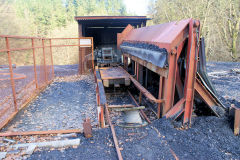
{"x":121,"y":106}
{"x":5,"y":134}
{"x":128,"y":109}
{"x":113,"y":73}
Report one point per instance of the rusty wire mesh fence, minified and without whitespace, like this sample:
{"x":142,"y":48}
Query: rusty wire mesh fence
{"x":27,"y":67}
{"x":72,"y":56}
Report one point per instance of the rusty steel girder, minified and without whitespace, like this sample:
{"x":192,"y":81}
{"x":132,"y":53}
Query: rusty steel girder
{"x":235,"y":112}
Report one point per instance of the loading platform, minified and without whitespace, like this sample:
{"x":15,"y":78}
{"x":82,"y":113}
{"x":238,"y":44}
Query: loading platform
{"x":114,"y":76}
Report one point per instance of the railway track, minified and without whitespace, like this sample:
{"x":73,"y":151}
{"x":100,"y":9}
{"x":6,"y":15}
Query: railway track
{"x":109,"y":120}
{"x":115,"y":135}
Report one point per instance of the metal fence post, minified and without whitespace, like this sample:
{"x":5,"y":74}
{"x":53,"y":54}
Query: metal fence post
{"x":11,"y":73}
{"x":34,"y":62}
{"x":80,"y":58}
{"x":92,"y":54}
{"x":50,"y":41}
{"x":44,"y":60}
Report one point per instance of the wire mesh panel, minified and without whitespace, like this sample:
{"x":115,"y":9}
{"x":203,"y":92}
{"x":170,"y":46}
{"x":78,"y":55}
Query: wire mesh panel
{"x":72,"y":55}
{"x":26,"y":67}
{"x":86,"y":62}
{"x":65,"y":54}
{"x":6,"y":96}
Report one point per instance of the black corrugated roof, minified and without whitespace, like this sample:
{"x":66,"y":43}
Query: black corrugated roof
{"x":83,"y":18}
{"x":111,"y":21}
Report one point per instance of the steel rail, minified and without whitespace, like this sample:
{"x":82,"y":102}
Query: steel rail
{"x":113,"y":134}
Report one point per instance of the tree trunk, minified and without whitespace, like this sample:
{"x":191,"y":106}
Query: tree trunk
{"x":234,"y":41}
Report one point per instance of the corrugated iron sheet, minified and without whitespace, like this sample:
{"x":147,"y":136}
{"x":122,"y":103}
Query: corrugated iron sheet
{"x":162,"y":35}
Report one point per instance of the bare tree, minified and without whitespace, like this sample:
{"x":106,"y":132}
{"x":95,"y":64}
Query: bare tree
{"x":219,"y":22}
{"x":228,"y":19}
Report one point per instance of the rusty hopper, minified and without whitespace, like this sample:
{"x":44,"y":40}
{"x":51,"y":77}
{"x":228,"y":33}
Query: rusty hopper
{"x":171,"y":50}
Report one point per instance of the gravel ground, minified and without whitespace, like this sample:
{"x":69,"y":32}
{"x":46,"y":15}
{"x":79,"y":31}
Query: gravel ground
{"x":63,"y":105}
{"x":65,"y":70}
{"x":226,"y":81}
{"x":160,"y":140}
{"x":208,"y":138}
{"x":100,"y":147}
{"x":203,"y":141}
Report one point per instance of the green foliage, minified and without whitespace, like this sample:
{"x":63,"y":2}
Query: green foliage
{"x":46,"y":15}
{"x":49,"y":18}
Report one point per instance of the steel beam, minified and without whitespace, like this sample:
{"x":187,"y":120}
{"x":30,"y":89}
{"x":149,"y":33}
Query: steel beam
{"x":11,"y":74}
{"x":206,"y":96}
{"x":171,"y":82}
{"x":176,"y":110}
{"x":190,"y":72}
{"x":114,"y":134}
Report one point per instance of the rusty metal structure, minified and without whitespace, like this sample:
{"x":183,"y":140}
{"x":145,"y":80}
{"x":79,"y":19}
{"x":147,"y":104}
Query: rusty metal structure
{"x":19,"y":84}
{"x":172,"y":51}
{"x":166,"y":64}
{"x":167,"y":53}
